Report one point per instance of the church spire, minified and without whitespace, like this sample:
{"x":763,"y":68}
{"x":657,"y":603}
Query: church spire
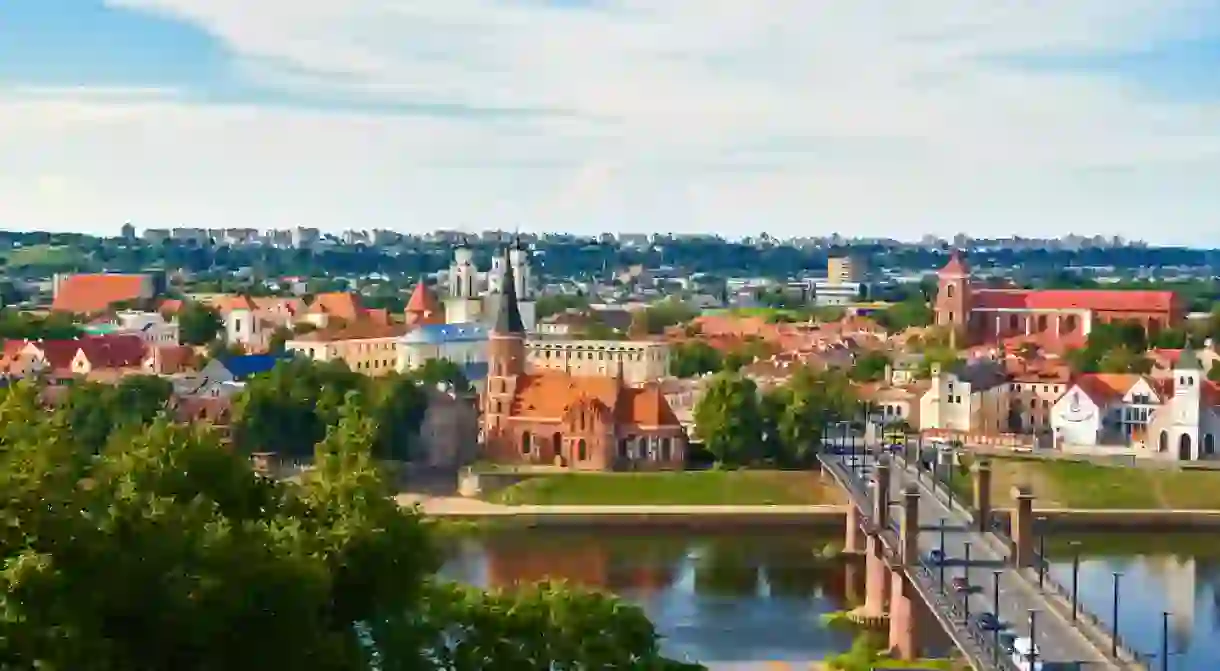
{"x":508,"y":313}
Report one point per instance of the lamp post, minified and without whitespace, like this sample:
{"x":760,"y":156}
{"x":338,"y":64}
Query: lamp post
{"x":1114,"y":618}
{"x":1075,"y":577}
{"x":1041,"y":551}
{"x":1165,"y":641}
{"x":995,"y":605}
{"x":942,"y":553}
{"x":966,"y":578}
{"x":1033,"y":638}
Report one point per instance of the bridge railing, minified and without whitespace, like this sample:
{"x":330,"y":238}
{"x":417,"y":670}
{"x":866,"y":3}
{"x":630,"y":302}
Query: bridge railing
{"x":987,"y":648}
{"x":1041,"y":564}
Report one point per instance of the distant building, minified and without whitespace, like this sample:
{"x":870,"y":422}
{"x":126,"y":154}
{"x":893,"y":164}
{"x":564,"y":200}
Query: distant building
{"x":844,"y":270}
{"x":368,"y":348}
{"x":87,"y":294}
{"x":466,"y":303}
{"x":967,"y":397}
{"x":1061,"y":318}
{"x":128,"y":232}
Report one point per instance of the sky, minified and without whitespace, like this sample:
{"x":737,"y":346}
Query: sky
{"x":793,"y":117}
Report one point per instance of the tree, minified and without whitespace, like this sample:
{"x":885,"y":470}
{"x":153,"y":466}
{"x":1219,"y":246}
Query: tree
{"x":870,"y":367}
{"x":198,"y":324}
{"x":442,"y":371}
{"x":280,"y":336}
{"x":176,"y":556}
{"x":398,"y":412}
{"x":1123,"y":360}
{"x":693,"y":358}
{"x":288,"y":410}
{"x":728,"y":420}
{"x":815,"y":400}
{"x":913,"y":311}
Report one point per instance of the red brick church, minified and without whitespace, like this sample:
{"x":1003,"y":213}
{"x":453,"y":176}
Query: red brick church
{"x":1062,"y":318}
{"x":554,"y":418}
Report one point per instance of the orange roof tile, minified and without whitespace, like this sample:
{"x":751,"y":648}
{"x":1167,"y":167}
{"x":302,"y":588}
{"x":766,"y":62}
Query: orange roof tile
{"x":85,"y":294}
{"x":342,"y":304}
{"x":955,"y":267}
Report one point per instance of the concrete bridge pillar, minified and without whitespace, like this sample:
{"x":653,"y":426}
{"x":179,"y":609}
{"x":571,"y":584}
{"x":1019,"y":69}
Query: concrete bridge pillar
{"x":881,"y":492}
{"x":909,"y":533}
{"x":904,"y":640}
{"x":1023,"y":527}
{"x":877,"y":578}
{"x":982,"y":494}
{"x":852,"y":540}
{"x":855,"y":583}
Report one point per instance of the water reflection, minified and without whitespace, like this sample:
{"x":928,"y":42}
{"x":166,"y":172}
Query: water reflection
{"x":1160,"y":573}
{"x":714,"y":598}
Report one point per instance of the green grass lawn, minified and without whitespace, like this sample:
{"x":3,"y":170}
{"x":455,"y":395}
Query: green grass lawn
{"x":1072,"y":484}
{"x":672,"y":488}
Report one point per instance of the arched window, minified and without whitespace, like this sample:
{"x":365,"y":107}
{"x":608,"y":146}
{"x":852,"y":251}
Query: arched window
{"x":1014,"y":322}
{"x":949,"y":291}
{"x":581,"y":450}
{"x":526,"y":439}
{"x":557,"y":442}
{"x":1164,"y":441}
{"x":665,"y":448}
{"x":1209,"y":444}
{"x":1069,"y":324}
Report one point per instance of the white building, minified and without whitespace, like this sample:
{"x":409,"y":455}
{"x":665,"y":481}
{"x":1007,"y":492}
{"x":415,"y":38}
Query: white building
{"x":469,"y":301}
{"x":151,"y":327}
{"x":1176,"y":418}
{"x":968,"y":398}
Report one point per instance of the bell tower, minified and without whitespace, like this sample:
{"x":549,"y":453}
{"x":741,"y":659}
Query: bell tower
{"x":953,"y":300}
{"x":505,"y":364}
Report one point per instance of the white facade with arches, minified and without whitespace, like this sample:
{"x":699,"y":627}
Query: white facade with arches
{"x":1175,"y":418}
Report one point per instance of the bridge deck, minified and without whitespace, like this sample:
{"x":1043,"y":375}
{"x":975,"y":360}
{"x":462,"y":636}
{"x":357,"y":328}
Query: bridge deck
{"x":1057,"y":638}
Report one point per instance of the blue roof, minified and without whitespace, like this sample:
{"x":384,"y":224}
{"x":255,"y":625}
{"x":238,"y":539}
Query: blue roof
{"x":435,"y":334}
{"x":251,"y":364}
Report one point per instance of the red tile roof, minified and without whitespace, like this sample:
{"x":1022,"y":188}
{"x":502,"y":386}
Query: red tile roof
{"x":1097,"y":300}
{"x":549,"y":396}
{"x":114,"y":351}
{"x":86,"y":294}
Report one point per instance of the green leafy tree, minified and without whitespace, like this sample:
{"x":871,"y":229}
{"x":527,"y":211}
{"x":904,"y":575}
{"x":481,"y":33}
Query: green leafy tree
{"x":728,"y":420}
{"x":815,"y":400}
{"x":693,"y":358}
{"x":398,"y":412}
{"x":198,"y":324}
{"x":289,"y":410}
{"x":442,"y":371}
{"x":167,"y":552}
{"x":913,"y":311}
{"x":1123,"y":360}
{"x":280,"y":336}
{"x":870,"y":367}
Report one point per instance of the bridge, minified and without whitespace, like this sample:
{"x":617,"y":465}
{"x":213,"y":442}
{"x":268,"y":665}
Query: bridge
{"x":913,"y":556}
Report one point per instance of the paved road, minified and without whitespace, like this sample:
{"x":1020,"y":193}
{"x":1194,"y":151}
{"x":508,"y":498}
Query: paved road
{"x":1057,"y":640}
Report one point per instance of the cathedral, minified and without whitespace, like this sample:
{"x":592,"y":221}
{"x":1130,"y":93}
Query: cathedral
{"x":583,"y":422}
{"x":470,"y":301}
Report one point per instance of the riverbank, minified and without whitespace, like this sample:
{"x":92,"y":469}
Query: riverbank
{"x":673,"y":488}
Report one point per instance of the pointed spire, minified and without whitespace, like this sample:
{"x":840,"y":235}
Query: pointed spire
{"x":508,"y":314}
{"x":956,"y":267}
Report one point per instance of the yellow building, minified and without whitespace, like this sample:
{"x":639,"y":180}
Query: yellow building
{"x":367,"y":348}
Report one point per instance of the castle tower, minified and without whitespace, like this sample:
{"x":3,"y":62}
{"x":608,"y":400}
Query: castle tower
{"x":462,"y":304}
{"x":505,"y":364}
{"x":953,"y":300}
{"x":423,"y":308}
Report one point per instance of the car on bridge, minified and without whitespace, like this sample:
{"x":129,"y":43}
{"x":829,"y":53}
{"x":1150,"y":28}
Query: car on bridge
{"x":960,"y":584}
{"x":1023,"y":651}
{"x":988,"y":621}
{"x":936,"y":557}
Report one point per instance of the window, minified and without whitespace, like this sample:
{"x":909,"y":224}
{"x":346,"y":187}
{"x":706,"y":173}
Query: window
{"x":950,"y":316}
{"x":1209,"y":444}
{"x":665,"y":447}
{"x":1164,"y":442}
{"x":525,"y":443}
{"x":1041,"y":322}
{"x":557,"y":442}
{"x":1013,"y":322}
{"x":581,"y":450}
{"x":949,"y":292}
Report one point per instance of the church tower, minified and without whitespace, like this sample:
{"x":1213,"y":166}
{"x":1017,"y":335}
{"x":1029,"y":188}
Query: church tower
{"x":462,"y":304}
{"x":1187,"y":401}
{"x":505,"y":365}
{"x":953,"y":300}
{"x":523,"y":279}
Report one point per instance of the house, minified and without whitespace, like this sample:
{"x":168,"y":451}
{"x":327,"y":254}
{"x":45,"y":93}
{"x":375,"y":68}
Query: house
{"x":239,"y":368}
{"x":1174,"y":419}
{"x":423,"y":308}
{"x":91,"y":293}
{"x":586,"y":422}
{"x":366,"y":347}
{"x":336,"y":310}
{"x":966,"y":397}
{"x":86,"y":356}
{"x":152,"y":327}
{"x":249,"y":321}
{"x":168,"y":359}
{"x":463,"y":344}
{"x":896,"y":404}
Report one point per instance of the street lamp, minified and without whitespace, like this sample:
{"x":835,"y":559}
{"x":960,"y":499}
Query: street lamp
{"x":1075,"y":576}
{"x":1041,"y":551}
{"x":1165,"y":641}
{"x":942,"y":553}
{"x":966,"y":578}
{"x":995,"y":605}
{"x":1033,"y":637}
{"x":1114,"y":620}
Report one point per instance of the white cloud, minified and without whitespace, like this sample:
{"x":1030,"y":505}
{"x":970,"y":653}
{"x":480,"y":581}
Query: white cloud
{"x":793,"y":116}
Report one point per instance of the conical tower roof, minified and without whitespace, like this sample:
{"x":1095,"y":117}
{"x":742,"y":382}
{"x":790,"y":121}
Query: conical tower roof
{"x":508,"y":314}
{"x":955,"y":267}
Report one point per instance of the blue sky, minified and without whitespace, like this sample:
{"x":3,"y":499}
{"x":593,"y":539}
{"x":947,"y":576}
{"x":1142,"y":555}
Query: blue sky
{"x":798,"y":117}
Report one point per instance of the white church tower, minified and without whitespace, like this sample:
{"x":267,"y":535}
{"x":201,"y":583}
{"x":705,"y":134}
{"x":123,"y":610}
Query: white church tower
{"x":523,"y":279}
{"x":1187,"y":403}
{"x":462,"y":305}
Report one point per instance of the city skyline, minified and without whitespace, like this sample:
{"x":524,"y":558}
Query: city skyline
{"x":793,"y":117}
